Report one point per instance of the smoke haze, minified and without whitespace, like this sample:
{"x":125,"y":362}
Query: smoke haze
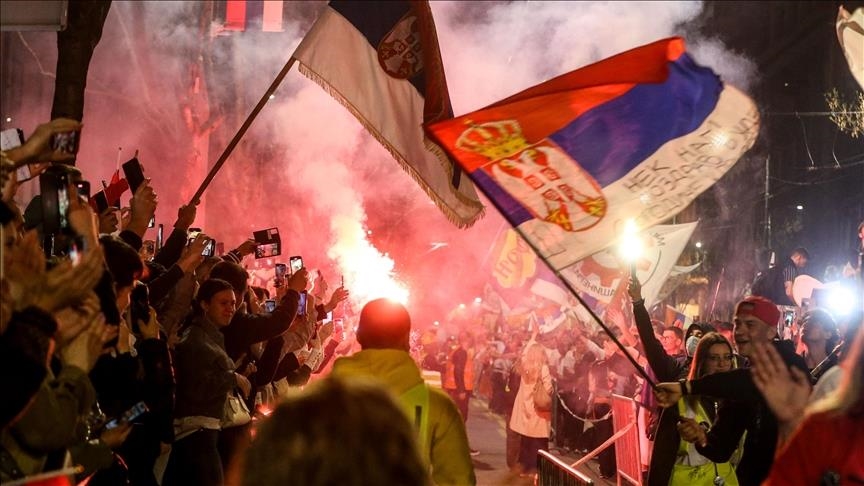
{"x":306,"y":165}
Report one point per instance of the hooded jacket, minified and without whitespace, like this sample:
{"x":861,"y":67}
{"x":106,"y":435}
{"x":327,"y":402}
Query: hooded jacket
{"x":445,"y":447}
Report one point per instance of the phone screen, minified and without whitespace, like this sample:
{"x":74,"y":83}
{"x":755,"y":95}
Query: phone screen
{"x":209,"y":248}
{"x":268,"y":250}
{"x":65,"y":142}
{"x":159,"y":233}
{"x":129,"y":415}
{"x":192,"y":234}
{"x":270,"y":305}
{"x":301,"y":304}
{"x":296,"y":264}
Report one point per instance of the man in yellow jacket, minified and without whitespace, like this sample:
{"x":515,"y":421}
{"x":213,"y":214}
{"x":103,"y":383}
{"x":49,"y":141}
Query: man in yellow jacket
{"x":383,"y":333}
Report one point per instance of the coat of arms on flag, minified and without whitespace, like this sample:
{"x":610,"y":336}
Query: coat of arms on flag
{"x":380,"y":59}
{"x":636,"y":136}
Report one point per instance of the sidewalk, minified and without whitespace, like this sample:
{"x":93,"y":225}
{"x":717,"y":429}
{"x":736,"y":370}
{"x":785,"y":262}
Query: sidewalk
{"x":486,"y":431}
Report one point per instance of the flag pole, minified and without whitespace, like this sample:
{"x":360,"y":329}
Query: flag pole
{"x":242,"y":131}
{"x":573,"y":292}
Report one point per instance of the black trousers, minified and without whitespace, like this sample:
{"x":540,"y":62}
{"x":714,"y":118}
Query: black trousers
{"x":195,"y":461}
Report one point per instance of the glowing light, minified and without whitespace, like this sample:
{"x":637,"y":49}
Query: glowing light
{"x":698,"y":244}
{"x":436,"y":323}
{"x":368,"y":273}
{"x":840,"y":301}
{"x":8,"y":119}
{"x":630,"y":246}
{"x":272,"y":96}
{"x":644,"y":198}
{"x":461,"y":306}
{"x":368,"y":232}
{"x":799,"y":207}
{"x":477,"y":300}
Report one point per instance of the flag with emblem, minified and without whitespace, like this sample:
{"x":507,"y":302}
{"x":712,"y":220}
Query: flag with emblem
{"x":603,"y":273}
{"x":381,"y":60}
{"x":634,"y":137}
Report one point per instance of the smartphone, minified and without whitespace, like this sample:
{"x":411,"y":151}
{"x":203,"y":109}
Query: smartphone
{"x":152,"y":223}
{"x":296,"y":264}
{"x":209,"y":248}
{"x":159,"y":233}
{"x":269,"y":305}
{"x":301,"y":304}
{"x":139,"y":307}
{"x":280,"y":270}
{"x":65,"y":142}
{"x":100,"y":201}
{"x":128,"y":416}
{"x":268,"y":250}
{"x":192,"y":234}
{"x":134,"y":174}
{"x":54,"y":191}
{"x":269,"y":243}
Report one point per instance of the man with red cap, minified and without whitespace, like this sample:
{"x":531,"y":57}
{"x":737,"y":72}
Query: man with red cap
{"x":755,"y":321}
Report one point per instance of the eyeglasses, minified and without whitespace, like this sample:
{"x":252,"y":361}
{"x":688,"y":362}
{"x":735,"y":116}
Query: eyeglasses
{"x":719,"y":359}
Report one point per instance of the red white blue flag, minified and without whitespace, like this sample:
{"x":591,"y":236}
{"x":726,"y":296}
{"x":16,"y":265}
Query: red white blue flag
{"x":381,"y":60}
{"x":636,"y":136}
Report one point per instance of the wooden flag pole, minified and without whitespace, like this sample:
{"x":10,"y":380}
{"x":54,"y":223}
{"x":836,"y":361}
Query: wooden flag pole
{"x":242,"y":131}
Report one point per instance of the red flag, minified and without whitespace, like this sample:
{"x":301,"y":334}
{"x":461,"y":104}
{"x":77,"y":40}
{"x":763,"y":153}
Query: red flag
{"x":116,"y":189}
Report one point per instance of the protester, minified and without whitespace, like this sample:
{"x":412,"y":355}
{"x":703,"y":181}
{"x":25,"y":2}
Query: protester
{"x":532,"y":424}
{"x":827,"y":447}
{"x":338,"y":431}
{"x":383,"y":333}
{"x":673,"y":460}
{"x":756,"y":321}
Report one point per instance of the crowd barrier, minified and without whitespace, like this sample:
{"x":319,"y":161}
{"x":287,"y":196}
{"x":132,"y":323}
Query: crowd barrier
{"x":553,"y":472}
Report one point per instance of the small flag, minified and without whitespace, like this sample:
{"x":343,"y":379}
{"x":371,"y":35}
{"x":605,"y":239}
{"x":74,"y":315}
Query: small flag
{"x":116,"y":189}
{"x":636,"y":136}
{"x":380,"y":59}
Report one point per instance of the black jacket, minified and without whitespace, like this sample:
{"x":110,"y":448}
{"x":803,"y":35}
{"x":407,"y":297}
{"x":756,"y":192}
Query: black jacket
{"x":751,"y":413}
{"x":666,"y":369}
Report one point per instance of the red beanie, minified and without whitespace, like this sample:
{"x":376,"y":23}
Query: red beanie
{"x":759,"y":307}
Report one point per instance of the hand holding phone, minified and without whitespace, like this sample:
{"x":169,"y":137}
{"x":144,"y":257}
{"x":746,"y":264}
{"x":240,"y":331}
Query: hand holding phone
{"x":134,"y":173}
{"x":280,"y":270}
{"x":296,"y":262}
{"x":270,"y":305}
{"x":128,"y":416}
{"x":301,"y":304}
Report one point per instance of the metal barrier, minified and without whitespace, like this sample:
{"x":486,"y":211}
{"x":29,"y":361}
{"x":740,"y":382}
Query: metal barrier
{"x":553,"y":472}
{"x":627,"y":458}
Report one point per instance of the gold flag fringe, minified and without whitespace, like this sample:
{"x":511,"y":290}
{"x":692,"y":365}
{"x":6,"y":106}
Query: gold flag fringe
{"x":449,"y":213}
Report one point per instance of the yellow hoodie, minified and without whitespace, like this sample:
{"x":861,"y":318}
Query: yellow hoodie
{"x":445,"y":446}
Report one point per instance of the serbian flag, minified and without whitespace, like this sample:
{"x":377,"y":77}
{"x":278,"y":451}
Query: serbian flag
{"x":380,"y":59}
{"x":636,"y":136}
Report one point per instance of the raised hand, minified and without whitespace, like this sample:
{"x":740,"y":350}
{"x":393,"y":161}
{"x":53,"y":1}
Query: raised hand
{"x":143,"y":206}
{"x":85,"y":348}
{"x":186,"y":216}
{"x":786,"y":388}
{"x":634,"y":289}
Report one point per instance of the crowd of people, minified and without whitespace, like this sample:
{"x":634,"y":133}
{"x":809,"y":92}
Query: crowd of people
{"x":119,"y":353}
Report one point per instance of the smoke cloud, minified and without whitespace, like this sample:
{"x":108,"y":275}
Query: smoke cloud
{"x":306,"y":165}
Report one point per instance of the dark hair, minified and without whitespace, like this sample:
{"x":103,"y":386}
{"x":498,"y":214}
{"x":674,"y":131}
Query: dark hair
{"x":384,"y":324}
{"x":231,"y":273}
{"x":210,"y":288}
{"x":306,"y":439}
{"x":677,"y":330}
{"x":801,"y":251}
{"x":700,"y":356}
{"x":826,"y":322}
{"x":123,"y":261}
{"x":694,"y":327}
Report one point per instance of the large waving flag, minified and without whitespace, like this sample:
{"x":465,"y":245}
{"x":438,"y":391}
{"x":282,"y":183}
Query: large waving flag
{"x":381,"y":60}
{"x":602,"y":274}
{"x":636,"y":136}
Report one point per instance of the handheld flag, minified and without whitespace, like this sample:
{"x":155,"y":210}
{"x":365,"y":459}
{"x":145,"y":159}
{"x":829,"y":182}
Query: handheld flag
{"x":380,"y":59}
{"x":638,"y":135}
